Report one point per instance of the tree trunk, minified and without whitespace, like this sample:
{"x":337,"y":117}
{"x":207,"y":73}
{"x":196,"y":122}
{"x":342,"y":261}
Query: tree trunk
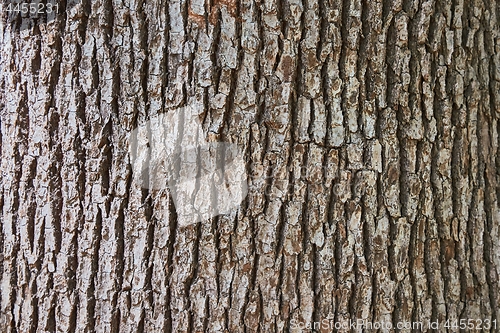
{"x":370,"y":135}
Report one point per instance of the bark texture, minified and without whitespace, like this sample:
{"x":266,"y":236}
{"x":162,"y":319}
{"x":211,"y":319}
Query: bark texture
{"x":371,"y":133}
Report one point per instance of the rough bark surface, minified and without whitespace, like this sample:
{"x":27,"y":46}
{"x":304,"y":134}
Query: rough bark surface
{"x":371,"y":133}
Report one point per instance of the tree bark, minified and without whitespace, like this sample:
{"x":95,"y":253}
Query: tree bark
{"x":370,"y":133}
